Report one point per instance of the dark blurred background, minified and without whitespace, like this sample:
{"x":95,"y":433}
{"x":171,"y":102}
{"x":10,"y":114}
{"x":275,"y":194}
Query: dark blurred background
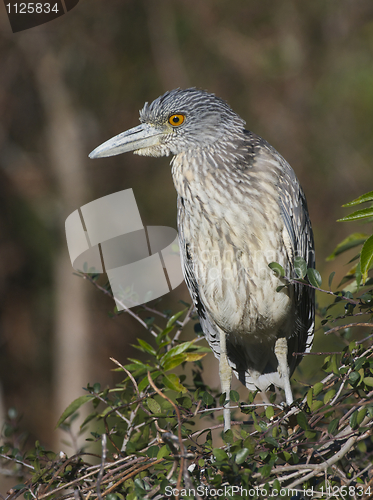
{"x":299,"y":73}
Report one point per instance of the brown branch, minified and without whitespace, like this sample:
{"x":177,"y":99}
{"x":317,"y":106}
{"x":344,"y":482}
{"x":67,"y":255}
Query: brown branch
{"x":180,"y":437}
{"x":133,"y":473}
{"x":81,"y":478}
{"x":291,"y":281}
{"x":129,"y":374}
{"x":331,"y":461}
{"x":343,"y":327}
{"x":182,"y":325}
{"x":126,"y":309}
{"x":315,"y":353}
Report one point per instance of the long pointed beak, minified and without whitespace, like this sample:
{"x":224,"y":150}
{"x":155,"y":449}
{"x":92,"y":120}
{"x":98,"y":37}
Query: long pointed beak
{"x":136,"y":138}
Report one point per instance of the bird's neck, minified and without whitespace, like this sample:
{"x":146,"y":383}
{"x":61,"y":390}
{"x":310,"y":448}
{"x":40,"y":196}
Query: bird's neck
{"x":203,"y":174}
{"x":194,"y":170}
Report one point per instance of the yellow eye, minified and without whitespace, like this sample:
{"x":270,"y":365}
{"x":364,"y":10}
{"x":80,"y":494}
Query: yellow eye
{"x":176,"y":120}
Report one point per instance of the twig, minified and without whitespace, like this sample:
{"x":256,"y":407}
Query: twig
{"x":131,"y":474}
{"x":134,"y":412}
{"x":322,"y":467}
{"x":17,"y":461}
{"x":126,"y":309}
{"x":180,"y":437}
{"x":182,"y":325}
{"x":238,"y":407}
{"x":343,"y":327}
{"x":359,"y":474}
{"x":364,"y":340}
{"x":328,"y":292}
{"x":316,"y":353}
{"x":332,"y":460}
{"x":344,"y":316}
{"x":332,"y":402}
{"x":101,"y":472}
{"x":182,"y":455}
{"x":129,"y":374}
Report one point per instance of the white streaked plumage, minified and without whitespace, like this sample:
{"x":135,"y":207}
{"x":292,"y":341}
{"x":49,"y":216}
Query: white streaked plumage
{"x":240,"y":207}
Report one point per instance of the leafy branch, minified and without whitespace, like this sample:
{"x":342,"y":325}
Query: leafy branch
{"x":157,"y":429}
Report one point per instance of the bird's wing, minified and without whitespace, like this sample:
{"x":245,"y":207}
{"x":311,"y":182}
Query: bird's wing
{"x":298,"y":232}
{"x":186,"y":254}
{"x":297,"y":239}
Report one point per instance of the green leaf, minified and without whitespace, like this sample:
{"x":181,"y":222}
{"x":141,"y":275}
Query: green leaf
{"x":276,"y":485}
{"x":353,"y":420}
{"x":334,"y":365}
{"x":18,"y":486}
{"x":272,"y":441}
{"x":300,"y":267}
{"x":185,"y":402}
{"x":354,"y":378}
{"x":317,"y":388}
{"x":163,"y":452}
{"x":153,"y":405}
{"x":333,"y":426}
{"x":250,"y":444}
{"x":219,"y":454}
{"x":366,"y":258}
{"x":207,"y":398}
{"x":74,"y":406}
{"x":331,"y":276}
{"x":314,"y":277}
{"x":234,"y":396}
{"x":310,"y":397}
{"x":302,"y":420}
{"x":172,"y":381}
{"x":270,"y":412}
{"x":277,"y":268}
{"x":228,"y":436}
{"x":145,"y":381}
{"x":174,"y":318}
{"x":152,"y":452}
{"x":166,"y":405}
{"x":351,"y":241}
{"x":365,"y":213}
{"x":265,"y":471}
{"x":176,"y":350}
{"x":361,"y":415}
{"x":146,"y":347}
{"x":361,"y":199}
{"x":316,"y":405}
{"x":175,"y":361}
{"x":329,"y":395}
{"x":368,"y":381}
{"x":310,"y":434}
{"x":242,"y":455}
{"x":194,"y":356}
{"x":90,"y":417}
{"x":136,"y":365}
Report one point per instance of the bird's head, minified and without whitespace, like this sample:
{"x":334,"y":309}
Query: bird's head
{"x":175,"y":122}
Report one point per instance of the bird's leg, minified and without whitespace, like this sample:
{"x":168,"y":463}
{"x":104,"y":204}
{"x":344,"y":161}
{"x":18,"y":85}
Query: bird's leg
{"x":281,"y":351}
{"x":225,"y":373}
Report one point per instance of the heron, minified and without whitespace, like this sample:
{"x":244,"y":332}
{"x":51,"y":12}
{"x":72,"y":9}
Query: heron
{"x":240,"y":207}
